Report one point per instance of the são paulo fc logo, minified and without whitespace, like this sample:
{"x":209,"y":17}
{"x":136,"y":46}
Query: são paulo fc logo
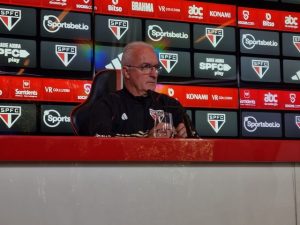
{"x":66,"y":53}
{"x":214,"y":35}
{"x":10,"y":114}
{"x":216,"y":120}
{"x":118,"y":27}
{"x":260,"y":67}
{"x":296,"y":41}
{"x":10,"y":17}
{"x":168,"y":60}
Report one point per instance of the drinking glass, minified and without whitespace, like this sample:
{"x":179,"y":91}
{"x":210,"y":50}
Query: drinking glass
{"x":163,"y":126}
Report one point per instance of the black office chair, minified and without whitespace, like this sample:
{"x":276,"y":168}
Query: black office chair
{"x":104,"y":82}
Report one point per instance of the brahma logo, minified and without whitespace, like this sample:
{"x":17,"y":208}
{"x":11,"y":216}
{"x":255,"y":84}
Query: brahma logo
{"x":216,"y":120}
{"x":10,"y":17}
{"x":296,"y":41}
{"x":118,"y":27}
{"x":297,"y":121}
{"x":142,"y":6}
{"x":268,"y":22}
{"x":214,"y":35}
{"x":66,"y":53}
{"x":10,"y":114}
{"x":168,"y":60}
{"x":52,"y":118}
{"x":52,"y":24}
{"x":260,"y":67}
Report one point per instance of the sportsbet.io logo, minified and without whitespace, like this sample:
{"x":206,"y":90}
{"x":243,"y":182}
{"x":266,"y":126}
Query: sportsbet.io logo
{"x":156,"y":33}
{"x":251,"y":124}
{"x":52,"y":118}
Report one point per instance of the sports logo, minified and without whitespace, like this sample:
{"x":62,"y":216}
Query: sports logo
{"x":115,"y":63}
{"x":168,"y":60}
{"x":297,"y":121}
{"x":214,"y":35}
{"x":118,"y":27}
{"x":10,"y":114}
{"x":293,"y":97}
{"x":216,"y":120}
{"x":52,"y":118}
{"x":66,"y":53}
{"x":260,"y":67}
{"x":246,"y":14}
{"x":87,"y":88}
{"x":10,"y":17}
{"x":296,"y":41}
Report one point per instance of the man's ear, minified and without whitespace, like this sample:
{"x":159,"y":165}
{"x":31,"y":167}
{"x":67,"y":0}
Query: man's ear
{"x":125,"y":72}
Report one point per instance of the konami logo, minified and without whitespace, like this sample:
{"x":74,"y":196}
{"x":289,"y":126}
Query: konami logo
{"x":10,"y":17}
{"x":10,"y":114}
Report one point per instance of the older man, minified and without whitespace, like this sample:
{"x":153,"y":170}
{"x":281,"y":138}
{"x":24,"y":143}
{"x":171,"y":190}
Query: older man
{"x":132,"y":110}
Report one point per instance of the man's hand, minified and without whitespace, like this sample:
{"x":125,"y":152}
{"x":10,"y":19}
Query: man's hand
{"x":180,"y":131}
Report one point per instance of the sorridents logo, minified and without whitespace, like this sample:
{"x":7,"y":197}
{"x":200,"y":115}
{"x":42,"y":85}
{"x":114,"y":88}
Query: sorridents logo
{"x":156,"y":33}
{"x":297,"y":121}
{"x":114,"y":6}
{"x":26,"y":84}
{"x":270,"y":99}
{"x":10,"y":17}
{"x":251,"y":124}
{"x":66,"y":53}
{"x":87,"y":88}
{"x":52,"y":118}
{"x":247,"y":101}
{"x":216,"y":120}
{"x":214,"y":35}
{"x":291,"y":21}
{"x":52,"y":24}
{"x":296,"y":76}
{"x":115,"y":63}
{"x":195,"y":12}
{"x":293,"y":97}
{"x":142,"y":6}
{"x":58,"y":2}
{"x":267,"y":22}
{"x":217,"y":65}
{"x":168,"y":60}
{"x":260,"y":67}
{"x":10,"y":114}
{"x":296,"y":42}
{"x":247,"y":94}
{"x":13,"y":52}
{"x":118,"y":27}
{"x":249,"y":42}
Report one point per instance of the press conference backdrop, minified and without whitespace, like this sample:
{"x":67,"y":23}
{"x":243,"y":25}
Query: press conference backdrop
{"x":237,"y":62}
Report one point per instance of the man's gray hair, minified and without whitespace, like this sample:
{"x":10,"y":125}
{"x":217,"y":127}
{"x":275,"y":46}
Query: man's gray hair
{"x":128,"y":53}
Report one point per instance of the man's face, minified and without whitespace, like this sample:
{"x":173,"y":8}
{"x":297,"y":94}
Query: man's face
{"x":141,"y":74}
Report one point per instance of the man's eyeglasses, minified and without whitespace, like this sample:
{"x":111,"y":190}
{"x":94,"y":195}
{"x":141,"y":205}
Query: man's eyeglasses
{"x":147,"y":68}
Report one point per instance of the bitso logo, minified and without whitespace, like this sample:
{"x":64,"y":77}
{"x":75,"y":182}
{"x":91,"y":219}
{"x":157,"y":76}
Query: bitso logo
{"x":118,"y":27}
{"x":52,"y":24}
{"x":168,"y":60}
{"x":267,"y":22}
{"x":156,"y":33}
{"x":66,"y":53}
{"x":296,"y":41}
{"x":10,"y":114}
{"x":297,"y":121}
{"x":52,"y":118}
{"x":214,"y":35}
{"x":260,"y":67}
{"x":10,"y":17}
{"x":216,"y":120}
{"x":114,"y":6}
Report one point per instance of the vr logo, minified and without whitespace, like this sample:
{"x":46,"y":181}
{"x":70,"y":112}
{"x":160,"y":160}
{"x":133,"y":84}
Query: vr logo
{"x":260,"y":67}
{"x":10,"y":114}
{"x":66,"y":53}
{"x":118,"y":27}
{"x":10,"y":17}
{"x":216,"y":120}
{"x":296,"y":41}
{"x":168,"y":60}
{"x":214,"y":35}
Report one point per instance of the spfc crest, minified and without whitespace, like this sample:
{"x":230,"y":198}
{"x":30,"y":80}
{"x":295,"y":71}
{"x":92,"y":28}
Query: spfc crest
{"x":66,"y":53}
{"x":260,"y":67}
{"x":216,"y":121}
{"x":297,"y":121}
{"x":157,"y":114}
{"x":214,"y":35}
{"x":168,"y":60}
{"x":10,"y":114}
{"x":10,"y":17}
{"x":296,"y":41}
{"x":118,"y":27}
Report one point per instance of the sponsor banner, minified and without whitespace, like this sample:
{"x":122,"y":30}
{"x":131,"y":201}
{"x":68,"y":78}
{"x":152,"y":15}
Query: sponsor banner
{"x":82,"y":89}
{"x":4,"y":88}
{"x":261,"y":124}
{"x":17,"y":118}
{"x":290,"y":21}
{"x":57,"y":4}
{"x":17,"y":20}
{"x":108,"y":57}
{"x":175,"y":64}
{"x":259,"y":42}
{"x":291,"y":44}
{"x":169,"y":9}
{"x":260,"y":69}
{"x":291,"y":71}
{"x":292,"y":125}
{"x":115,"y":7}
{"x":167,"y":34}
{"x":208,"y":37}
{"x":117,"y":29}
{"x":57,"y":90}
{"x":215,"y":66}
{"x":216,"y":123}
{"x":17,"y":52}
{"x":58,"y":24}
{"x":291,"y":100}
{"x":66,"y":56}
{"x":56,"y":119}
{"x":202,"y":97}
{"x":25,"y":88}
{"x":142,"y":8}
{"x":83,"y":5}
